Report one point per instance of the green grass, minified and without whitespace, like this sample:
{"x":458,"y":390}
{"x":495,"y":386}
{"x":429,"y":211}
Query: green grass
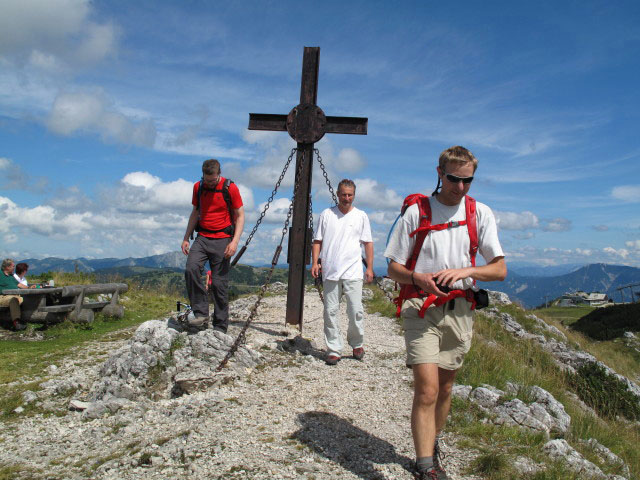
{"x":495,"y":358}
{"x":380,"y":303}
{"x":565,"y":315}
{"x":623,"y":358}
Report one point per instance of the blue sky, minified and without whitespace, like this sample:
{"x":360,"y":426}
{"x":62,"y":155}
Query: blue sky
{"x":107,"y":110}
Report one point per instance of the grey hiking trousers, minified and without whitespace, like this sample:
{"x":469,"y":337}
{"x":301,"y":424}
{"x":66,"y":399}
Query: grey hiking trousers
{"x":212,"y":249}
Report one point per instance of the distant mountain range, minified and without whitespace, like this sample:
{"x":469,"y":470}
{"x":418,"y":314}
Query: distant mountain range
{"x":598,"y":277}
{"x":526,"y":283}
{"x":166,"y":260}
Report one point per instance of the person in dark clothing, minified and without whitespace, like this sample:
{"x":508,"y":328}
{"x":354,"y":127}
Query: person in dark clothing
{"x":218,"y":217}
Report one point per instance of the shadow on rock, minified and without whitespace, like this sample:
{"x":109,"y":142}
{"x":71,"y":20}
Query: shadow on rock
{"x":300,"y":344}
{"x":355,"y":449}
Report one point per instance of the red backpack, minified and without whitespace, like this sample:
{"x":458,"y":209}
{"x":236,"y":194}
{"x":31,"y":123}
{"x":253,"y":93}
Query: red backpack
{"x":424,"y":228}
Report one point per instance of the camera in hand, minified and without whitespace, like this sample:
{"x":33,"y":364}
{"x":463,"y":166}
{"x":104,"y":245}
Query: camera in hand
{"x":443,"y":288}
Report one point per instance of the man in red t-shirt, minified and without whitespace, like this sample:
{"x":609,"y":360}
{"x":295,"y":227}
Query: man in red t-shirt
{"x":219,"y":225}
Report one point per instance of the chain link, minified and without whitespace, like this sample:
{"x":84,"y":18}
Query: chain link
{"x":317,"y":282}
{"x":254,"y":310}
{"x":270,"y":199}
{"x":326,"y":177}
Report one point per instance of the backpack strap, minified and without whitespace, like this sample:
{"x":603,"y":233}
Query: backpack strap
{"x":472,"y":227}
{"x":424,"y":210}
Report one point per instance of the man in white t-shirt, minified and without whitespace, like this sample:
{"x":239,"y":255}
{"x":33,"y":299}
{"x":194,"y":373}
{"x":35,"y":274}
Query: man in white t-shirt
{"x":341,"y":231}
{"x":437,"y":342}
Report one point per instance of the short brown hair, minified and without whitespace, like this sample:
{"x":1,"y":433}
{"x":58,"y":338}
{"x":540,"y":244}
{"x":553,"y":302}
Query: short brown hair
{"x":459,"y":155}
{"x":345,"y":182}
{"x":211,"y":167}
{"x":21,"y":268}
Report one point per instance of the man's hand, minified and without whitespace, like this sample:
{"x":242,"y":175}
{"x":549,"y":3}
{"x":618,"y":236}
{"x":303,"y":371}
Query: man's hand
{"x":231,"y":249}
{"x":315,"y":270}
{"x":451,"y":275}
{"x":368,"y":275}
{"x":428,"y":283}
{"x":185,"y":247}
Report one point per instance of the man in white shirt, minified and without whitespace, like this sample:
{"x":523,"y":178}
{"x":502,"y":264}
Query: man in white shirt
{"x":341,"y":231}
{"x":438,"y":340}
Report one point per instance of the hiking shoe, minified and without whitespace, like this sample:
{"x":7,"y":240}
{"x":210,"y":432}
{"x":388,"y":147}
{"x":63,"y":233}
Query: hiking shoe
{"x":199,"y":321}
{"x":358,"y":353}
{"x":332,"y":359}
{"x":437,"y":458}
{"x":428,"y":474}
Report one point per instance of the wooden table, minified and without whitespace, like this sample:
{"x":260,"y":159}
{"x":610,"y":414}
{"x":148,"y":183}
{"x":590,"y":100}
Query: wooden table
{"x":55,"y":304}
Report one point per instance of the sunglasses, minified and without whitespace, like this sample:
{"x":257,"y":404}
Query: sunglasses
{"x":456,"y":179}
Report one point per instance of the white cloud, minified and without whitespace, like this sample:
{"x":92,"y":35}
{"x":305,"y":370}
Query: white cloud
{"x":621,"y":252}
{"x":383,"y":217}
{"x":633,"y":244}
{"x":86,"y":111}
{"x":47,"y":33}
{"x":516,"y":221}
{"x":350,"y":161}
{"x":15,"y":178}
{"x":143,"y":192}
{"x":557,"y":225}
{"x":373,"y":194}
{"x":600,"y":228}
{"x":626,"y":193}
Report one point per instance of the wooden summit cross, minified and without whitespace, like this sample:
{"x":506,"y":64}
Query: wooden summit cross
{"x":307,"y":124}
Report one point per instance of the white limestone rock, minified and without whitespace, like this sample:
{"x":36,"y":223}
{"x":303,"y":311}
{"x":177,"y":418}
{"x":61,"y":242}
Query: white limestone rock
{"x":560,"y":449}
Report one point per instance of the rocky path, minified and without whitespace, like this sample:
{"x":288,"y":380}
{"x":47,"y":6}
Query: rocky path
{"x":291,"y":417}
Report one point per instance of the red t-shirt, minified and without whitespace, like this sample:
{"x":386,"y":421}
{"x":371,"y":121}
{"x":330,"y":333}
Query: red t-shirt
{"x":214,"y":214}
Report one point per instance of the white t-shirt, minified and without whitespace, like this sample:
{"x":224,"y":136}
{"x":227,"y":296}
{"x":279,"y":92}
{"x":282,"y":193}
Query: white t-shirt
{"x":445,"y":248}
{"x":341,"y":235}
{"x":22,"y":280}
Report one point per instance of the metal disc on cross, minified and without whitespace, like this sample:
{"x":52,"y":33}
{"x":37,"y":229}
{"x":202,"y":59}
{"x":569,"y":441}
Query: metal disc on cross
{"x":306,"y":124}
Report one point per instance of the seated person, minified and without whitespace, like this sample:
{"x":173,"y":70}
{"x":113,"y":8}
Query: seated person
{"x":21,"y":274}
{"x":8,"y":282}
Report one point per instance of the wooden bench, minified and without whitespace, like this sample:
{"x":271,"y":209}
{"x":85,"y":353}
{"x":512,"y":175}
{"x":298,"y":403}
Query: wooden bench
{"x":53,"y":305}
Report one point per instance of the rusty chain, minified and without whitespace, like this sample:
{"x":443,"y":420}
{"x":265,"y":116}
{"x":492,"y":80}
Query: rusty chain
{"x":317,"y":282}
{"x":326,"y":176}
{"x":254,"y":310}
{"x":270,"y":199}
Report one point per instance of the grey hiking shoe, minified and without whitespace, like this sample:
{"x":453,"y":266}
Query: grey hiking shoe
{"x":428,"y":474}
{"x":199,"y":321}
{"x":437,"y":461}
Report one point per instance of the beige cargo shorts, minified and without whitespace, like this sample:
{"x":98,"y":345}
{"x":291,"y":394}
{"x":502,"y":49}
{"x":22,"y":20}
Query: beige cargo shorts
{"x":442,"y":337}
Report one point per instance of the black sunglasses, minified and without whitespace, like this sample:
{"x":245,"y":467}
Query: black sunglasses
{"x":456,"y":179}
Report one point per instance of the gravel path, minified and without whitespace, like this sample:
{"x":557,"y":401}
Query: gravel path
{"x":292,"y":417}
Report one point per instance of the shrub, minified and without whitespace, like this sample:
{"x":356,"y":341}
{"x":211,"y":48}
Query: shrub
{"x":603,"y":392}
{"x":610,"y":322}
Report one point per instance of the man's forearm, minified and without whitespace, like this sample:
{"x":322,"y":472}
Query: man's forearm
{"x":368,"y":254}
{"x":399,"y":273}
{"x":315,"y":252}
{"x":239,"y":226}
{"x":191,"y":224}
{"x":496,"y":270}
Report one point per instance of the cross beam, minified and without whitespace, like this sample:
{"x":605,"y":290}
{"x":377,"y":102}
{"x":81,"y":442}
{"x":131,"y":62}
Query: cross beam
{"x":306,"y":124}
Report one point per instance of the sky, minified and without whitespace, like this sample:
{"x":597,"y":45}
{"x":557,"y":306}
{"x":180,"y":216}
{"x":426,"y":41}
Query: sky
{"x":108,"y":109}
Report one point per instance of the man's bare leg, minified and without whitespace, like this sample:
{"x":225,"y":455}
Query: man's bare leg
{"x":443,"y":405}
{"x":423,"y":413}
